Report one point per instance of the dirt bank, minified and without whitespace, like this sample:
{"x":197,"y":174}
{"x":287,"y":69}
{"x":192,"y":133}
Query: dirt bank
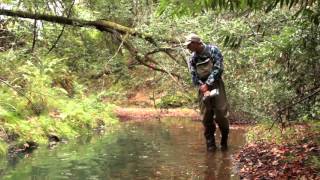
{"x":141,"y":114}
{"x":126,"y":114}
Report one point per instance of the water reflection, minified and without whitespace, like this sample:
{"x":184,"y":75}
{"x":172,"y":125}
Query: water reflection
{"x":217,"y":167}
{"x":219,"y":163}
{"x":170,"y":149}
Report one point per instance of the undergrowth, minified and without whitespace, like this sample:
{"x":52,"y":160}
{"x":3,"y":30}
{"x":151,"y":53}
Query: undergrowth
{"x":3,"y":148}
{"x":41,"y":100}
{"x":65,"y":118}
{"x":266,"y":132}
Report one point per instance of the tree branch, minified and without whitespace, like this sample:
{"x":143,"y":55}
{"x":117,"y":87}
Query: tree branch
{"x":15,"y":89}
{"x":168,"y":51}
{"x":62,"y":30}
{"x":299,"y":101}
{"x":134,"y":52}
{"x":34,"y":35}
{"x":102,"y":25}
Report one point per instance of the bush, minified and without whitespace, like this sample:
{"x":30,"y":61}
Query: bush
{"x":33,"y":106}
{"x":176,"y":100}
{"x":3,"y":148}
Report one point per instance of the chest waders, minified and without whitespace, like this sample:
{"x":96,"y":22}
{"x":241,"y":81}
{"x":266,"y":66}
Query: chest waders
{"x":204,"y":68}
{"x":213,"y":108}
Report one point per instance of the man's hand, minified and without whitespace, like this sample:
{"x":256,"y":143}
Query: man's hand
{"x":207,"y":93}
{"x":204,"y":88}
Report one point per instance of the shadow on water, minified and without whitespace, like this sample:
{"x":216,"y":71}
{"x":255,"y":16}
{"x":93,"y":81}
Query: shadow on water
{"x":170,"y":149}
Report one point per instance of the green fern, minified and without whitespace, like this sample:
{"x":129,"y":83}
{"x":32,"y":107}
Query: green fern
{"x":3,"y":148}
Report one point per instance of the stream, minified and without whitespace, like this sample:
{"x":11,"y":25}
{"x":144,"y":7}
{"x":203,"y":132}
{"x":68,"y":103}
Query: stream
{"x":167,"y":149}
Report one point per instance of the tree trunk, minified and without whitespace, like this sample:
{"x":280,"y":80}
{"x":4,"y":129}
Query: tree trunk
{"x":102,"y":25}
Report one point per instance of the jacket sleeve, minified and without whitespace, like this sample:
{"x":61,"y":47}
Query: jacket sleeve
{"x":217,"y":67}
{"x":192,"y":69}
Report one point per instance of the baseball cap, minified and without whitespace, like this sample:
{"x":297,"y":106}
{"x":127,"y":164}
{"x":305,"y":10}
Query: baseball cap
{"x":192,"y":38}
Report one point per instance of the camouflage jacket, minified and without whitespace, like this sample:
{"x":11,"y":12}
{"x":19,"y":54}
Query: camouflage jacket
{"x":215,"y":55}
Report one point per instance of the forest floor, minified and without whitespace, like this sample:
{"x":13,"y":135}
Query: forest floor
{"x":293,"y":154}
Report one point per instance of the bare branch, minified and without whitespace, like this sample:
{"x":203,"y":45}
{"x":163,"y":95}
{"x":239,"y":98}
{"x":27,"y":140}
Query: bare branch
{"x":141,"y":59}
{"x":62,"y":30}
{"x":34,"y":35}
{"x":168,"y":51}
{"x":102,"y":25}
{"x":15,"y":89}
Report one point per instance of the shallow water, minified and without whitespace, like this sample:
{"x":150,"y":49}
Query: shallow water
{"x":166,"y":149}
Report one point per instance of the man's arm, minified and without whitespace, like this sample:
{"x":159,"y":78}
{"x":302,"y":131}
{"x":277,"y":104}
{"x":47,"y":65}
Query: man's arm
{"x":192,"y":69}
{"x":217,"y":67}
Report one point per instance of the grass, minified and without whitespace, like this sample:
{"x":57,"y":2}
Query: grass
{"x":290,"y":134}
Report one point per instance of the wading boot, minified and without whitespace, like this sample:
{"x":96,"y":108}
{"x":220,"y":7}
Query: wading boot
{"x":224,"y":141}
{"x":211,"y":145}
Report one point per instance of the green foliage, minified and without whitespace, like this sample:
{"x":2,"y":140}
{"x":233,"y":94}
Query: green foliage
{"x":112,"y":95}
{"x":178,"y":99}
{"x":265,"y":58}
{"x":66,"y":118}
{"x":281,"y":135}
{"x":3,"y":148}
{"x":314,"y":161}
{"x":270,"y":60}
{"x":261,"y":132}
{"x":35,"y":100}
{"x":183,"y":7}
{"x":264,"y":54}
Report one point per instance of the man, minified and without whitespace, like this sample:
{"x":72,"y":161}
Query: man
{"x":206,"y":67}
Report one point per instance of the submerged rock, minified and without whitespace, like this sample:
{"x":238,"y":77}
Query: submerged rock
{"x":24,"y":148}
{"x":53,"y":140}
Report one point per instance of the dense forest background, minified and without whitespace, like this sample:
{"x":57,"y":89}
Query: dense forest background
{"x":110,"y":51}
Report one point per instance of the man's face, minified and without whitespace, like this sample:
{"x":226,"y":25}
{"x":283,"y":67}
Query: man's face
{"x":193,"y":46}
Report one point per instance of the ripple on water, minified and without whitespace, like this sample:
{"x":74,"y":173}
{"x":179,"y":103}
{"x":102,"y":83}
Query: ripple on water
{"x":167,"y":149}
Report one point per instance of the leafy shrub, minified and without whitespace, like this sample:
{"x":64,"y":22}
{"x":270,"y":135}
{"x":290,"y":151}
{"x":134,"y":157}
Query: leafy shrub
{"x":3,"y":148}
{"x":175,"y":100}
{"x":32,"y":107}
